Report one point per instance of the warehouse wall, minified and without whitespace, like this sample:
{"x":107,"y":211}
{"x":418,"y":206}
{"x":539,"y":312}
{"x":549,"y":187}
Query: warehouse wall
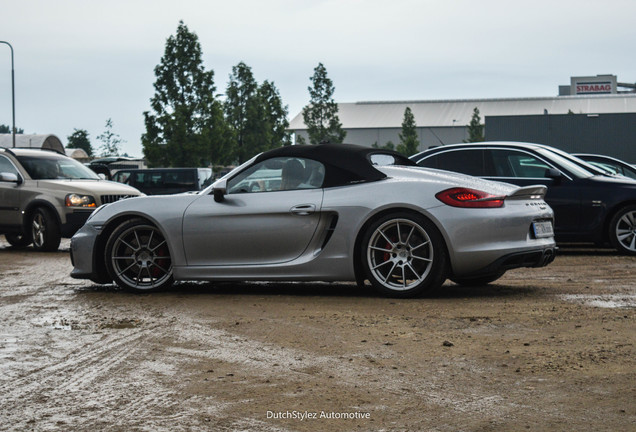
{"x":608,"y":134}
{"x":428,"y":136}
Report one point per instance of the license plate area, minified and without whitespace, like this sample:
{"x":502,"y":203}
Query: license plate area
{"x":543,"y":229}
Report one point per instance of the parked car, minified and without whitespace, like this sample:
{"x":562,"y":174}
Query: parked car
{"x":614,"y":165}
{"x":107,"y":166}
{"x":45,"y":196}
{"x":589,"y":204}
{"x":165,"y":181}
{"x":326,"y":212}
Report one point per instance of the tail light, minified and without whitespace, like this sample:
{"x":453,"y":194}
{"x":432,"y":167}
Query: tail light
{"x":469,"y":198}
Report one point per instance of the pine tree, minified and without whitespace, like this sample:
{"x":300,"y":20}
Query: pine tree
{"x":475,"y":128}
{"x":276,"y":115}
{"x":409,"y":143}
{"x":255,"y":113}
{"x":185,"y":126}
{"x":242,"y":112}
{"x":321,"y":115}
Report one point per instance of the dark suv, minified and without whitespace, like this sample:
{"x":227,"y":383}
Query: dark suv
{"x":165,"y":181}
{"x":589,"y":204}
{"x":45,"y":196}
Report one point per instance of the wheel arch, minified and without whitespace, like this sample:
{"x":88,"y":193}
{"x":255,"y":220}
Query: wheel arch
{"x":33,"y":206}
{"x":610,"y":215}
{"x":357,"y":252}
{"x":99,"y":259}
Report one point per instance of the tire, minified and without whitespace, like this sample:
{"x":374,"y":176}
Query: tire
{"x":18,"y":241}
{"x":403,"y":255}
{"x":45,"y":231}
{"x":480,"y":280}
{"x":137,"y":257}
{"x":622,"y":230}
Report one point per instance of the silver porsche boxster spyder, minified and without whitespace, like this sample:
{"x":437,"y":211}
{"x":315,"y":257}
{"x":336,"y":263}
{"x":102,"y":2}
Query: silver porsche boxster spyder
{"x":321,"y":213}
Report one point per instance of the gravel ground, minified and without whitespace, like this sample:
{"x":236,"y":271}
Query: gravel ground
{"x":550,"y":349}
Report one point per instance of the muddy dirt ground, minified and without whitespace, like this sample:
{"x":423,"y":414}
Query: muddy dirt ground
{"x":550,"y":349}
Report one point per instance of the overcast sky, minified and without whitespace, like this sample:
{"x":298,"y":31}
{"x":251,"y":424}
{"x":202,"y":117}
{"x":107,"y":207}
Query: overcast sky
{"x":80,"y":62}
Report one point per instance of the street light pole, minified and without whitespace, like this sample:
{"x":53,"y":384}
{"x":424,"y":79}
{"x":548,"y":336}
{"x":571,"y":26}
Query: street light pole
{"x":12,"y":93}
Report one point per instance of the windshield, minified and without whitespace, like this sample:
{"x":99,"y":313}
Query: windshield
{"x":575,"y":166}
{"x":51,"y":167}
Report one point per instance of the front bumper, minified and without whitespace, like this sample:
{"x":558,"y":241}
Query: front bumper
{"x":74,"y":221}
{"x":84,"y":257}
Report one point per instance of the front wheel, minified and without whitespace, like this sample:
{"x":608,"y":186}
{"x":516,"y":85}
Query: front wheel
{"x":622,"y":232}
{"x":45,"y":231}
{"x":403,"y":255}
{"x":138,"y":258}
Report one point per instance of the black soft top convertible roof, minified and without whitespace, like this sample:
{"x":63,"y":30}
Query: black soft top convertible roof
{"x":344,"y":163}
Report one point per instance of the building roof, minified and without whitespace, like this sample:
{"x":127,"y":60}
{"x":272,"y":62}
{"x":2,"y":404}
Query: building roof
{"x":447,"y":113}
{"x":32,"y":141}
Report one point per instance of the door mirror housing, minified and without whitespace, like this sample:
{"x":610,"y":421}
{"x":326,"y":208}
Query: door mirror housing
{"x":10,"y":178}
{"x":219,"y":190}
{"x":553,"y":173}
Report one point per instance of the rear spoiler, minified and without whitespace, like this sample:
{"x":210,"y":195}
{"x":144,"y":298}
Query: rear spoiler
{"x":532,"y":192}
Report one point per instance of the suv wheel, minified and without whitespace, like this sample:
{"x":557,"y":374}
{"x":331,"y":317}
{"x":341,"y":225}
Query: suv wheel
{"x":18,"y":240}
{"x":45,"y":231}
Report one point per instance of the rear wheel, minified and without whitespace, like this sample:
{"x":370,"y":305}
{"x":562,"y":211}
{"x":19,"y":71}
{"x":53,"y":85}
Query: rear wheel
{"x":622,"y":232}
{"x":45,"y":231}
{"x":403,"y":255}
{"x":18,"y":241}
{"x":137,"y":257}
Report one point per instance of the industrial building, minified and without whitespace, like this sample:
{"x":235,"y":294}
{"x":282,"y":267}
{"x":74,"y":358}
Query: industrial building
{"x":441,"y":122}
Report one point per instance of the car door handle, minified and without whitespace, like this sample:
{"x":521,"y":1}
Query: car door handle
{"x":303,"y":209}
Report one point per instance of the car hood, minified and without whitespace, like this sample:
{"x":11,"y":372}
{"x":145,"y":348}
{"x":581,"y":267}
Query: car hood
{"x":447,"y":179}
{"x":89,"y":187}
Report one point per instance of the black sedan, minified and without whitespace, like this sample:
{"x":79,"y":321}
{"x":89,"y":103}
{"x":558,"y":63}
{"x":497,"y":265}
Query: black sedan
{"x":589,"y":204}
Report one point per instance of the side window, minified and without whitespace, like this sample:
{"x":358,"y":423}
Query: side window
{"x":6,"y":166}
{"x":512,"y":163}
{"x":278,"y":174}
{"x":470,"y":161}
{"x":122,"y":176}
{"x":184,"y":179}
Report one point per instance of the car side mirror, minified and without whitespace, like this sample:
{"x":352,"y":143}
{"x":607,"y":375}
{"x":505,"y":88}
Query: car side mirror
{"x":219,"y":189}
{"x":553,"y":173}
{"x":10,"y":178}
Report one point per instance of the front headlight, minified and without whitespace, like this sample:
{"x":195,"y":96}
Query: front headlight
{"x":75,"y":200}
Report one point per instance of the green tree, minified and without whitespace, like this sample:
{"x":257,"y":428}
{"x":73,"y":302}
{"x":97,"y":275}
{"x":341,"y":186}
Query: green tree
{"x":110,"y":141}
{"x":387,"y":146}
{"x":409,"y":144}
{"x":79,"y":139}
{"x":255,"y":114}
{"x":321,"y":115}
{"x":242,"y":112}
{"x":4,"y":129}
{"x":475,"y":128}
{"x":275,"y":114}
{"x":185,"y":126}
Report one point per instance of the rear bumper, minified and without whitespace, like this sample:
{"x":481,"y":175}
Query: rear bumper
{"x":533,"y":258}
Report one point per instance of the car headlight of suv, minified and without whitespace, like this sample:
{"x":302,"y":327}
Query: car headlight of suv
{"x":76,"y":200}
